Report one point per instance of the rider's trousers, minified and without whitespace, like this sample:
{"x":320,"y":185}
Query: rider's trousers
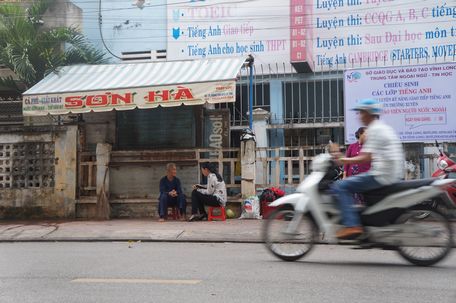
{"x":344,"y":190}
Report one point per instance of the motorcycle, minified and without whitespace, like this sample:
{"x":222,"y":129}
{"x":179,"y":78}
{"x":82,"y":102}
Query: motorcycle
{"x":446,"y":168}
{"x":400,"y":217}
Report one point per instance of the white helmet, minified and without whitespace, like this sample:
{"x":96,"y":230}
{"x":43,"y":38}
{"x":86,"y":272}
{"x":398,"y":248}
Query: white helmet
{"x":371,"y":106}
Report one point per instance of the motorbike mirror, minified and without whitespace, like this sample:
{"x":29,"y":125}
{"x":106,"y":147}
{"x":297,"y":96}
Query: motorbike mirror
{"x":438,"y":147}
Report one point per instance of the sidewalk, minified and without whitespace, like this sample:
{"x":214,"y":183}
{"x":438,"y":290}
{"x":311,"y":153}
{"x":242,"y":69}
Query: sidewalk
{"x":132,"y":230}
{"x":145,"y":230}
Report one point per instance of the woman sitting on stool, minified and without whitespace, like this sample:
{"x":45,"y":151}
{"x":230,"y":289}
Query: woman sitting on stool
{"x":214,"y":194}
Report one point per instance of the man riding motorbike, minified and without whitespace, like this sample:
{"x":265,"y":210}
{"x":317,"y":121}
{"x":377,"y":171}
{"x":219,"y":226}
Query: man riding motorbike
{"x":384,"y":149}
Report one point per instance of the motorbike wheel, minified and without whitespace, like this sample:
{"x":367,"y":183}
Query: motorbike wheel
{"x":286,"y":246}
{"x":426,"y":256}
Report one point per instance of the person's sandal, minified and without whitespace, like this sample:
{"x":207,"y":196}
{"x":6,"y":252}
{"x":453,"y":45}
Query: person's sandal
{"x":193,"y":218}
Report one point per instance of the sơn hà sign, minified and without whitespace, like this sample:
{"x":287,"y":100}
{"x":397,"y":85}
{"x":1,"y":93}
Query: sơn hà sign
{"x":418,"y":101}
{"x":126,"y":99}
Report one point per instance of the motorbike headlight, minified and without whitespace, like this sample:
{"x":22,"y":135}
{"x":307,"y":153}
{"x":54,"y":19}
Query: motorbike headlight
{"x":442,"y":164}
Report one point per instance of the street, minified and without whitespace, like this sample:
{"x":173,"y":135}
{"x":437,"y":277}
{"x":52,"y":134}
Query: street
{"x":224,"y":272}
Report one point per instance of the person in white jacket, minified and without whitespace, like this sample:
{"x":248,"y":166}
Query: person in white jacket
{"x":212,"y":194}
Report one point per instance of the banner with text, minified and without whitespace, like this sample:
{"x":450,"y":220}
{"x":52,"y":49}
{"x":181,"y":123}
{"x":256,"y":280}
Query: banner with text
{"x":216,"y":129}
{"x":418,"y":101}
{"x":126,"y":99}
{"x":363,"y":33}
{"x":220,"y":28}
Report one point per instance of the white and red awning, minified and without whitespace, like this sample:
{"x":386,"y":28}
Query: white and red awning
{"x":99,"y":88}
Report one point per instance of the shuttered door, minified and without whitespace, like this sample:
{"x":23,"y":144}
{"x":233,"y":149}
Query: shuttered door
{"x":156,"y":128}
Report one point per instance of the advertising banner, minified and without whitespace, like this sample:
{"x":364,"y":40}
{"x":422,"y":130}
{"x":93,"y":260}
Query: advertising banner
{"x":363,"y":33}
{"x":126,"y":99}
{"x":419,"y":102}
{"x":220,"y":28}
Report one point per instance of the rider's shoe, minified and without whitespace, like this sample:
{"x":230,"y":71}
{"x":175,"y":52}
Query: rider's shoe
{"x":349,"y":232}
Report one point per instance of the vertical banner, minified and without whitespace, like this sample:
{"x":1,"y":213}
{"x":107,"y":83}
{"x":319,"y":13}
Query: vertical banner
{"x":301,"y":35}
{"x":217,"y":129}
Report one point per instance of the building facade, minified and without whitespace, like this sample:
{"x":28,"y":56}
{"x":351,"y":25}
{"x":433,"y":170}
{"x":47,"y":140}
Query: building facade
{"x":302,"y":50}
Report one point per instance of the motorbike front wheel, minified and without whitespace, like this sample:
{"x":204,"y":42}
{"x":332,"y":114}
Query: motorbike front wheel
{"x":288,"y":246}
{"x":436,"y":233}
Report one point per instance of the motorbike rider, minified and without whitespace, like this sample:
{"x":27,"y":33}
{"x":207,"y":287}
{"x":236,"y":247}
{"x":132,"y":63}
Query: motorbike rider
{"x":384,"y":150}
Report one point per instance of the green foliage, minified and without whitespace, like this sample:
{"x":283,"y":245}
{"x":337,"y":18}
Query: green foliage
{"x":32,"y":51}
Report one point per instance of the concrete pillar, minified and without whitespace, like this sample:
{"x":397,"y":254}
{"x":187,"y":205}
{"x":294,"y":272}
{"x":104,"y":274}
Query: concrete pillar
{"x":248,"y":168}
{"x":65,"y":172}
{"x":260,"y":124}
{"x":277,"y":135}
{"x":103,"y":152}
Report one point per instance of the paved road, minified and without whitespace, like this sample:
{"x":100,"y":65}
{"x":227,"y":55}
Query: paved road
{"x":224,"y":272}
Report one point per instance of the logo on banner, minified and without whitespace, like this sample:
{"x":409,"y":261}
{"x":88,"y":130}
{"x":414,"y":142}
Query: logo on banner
{"x":353,"y":77}
{"x":176,"y":33}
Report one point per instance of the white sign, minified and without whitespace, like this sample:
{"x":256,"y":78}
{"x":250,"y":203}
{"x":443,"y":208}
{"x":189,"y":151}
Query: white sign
{"x":363,"y":33}
{"x":419,"y":102}
{"x":126,"y":99}
{"x":220,"y":28}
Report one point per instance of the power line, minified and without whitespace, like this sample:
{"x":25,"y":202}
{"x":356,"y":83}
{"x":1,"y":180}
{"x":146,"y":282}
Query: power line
{"x":101,"y":32}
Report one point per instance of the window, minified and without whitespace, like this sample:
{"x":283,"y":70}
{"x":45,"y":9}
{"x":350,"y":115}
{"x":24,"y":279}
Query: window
{"x":157,"y":128}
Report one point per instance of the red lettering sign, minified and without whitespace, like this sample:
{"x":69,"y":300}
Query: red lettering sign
{"x":127,"y":99}
{"x":183,"y":93}
{"x":161,"y":95}
{"x":98,"y":100}
{"x":73,"y":102}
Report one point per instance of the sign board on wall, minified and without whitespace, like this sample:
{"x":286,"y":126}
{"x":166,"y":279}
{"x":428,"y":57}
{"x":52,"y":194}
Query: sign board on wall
{"x":217,"y":129}
{"x":126,"y":99}
{"x":363,"y":33}
{"x":419,"y":102}
{"x":220,"y":28}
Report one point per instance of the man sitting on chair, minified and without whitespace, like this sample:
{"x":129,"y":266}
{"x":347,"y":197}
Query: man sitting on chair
{"x":171,"y":193}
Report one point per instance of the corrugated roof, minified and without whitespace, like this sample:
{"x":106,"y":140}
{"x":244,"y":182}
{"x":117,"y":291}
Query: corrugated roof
{"x":84,"y":78}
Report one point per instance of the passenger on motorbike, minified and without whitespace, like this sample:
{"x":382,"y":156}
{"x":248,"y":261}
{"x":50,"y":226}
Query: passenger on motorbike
{"x":384,"y":149}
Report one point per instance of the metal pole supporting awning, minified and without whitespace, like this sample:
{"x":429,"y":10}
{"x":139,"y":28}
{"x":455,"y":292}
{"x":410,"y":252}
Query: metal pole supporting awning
{"x":125,"y":86}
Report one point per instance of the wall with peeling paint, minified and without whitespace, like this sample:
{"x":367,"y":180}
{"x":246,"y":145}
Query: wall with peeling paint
{"x":57,"y":201}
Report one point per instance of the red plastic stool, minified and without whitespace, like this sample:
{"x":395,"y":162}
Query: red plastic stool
{"x":211,"y":215}
{"x":174,"y":212}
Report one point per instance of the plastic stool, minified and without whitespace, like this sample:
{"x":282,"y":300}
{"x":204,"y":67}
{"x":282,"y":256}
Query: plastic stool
{"x":174,"y":212}
{"x":211,"y":215}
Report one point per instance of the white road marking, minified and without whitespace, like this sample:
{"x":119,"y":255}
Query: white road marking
{"x":136,"y":281}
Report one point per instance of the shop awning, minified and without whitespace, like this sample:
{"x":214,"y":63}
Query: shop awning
{"x":99,"y":88}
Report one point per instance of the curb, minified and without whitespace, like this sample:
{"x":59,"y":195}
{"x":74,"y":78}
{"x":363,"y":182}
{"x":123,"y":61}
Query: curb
{"x":91,"y":240}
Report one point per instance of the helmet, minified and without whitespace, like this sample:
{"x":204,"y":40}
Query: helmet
{"x":371,"y":106}
{"x":247,"y":134}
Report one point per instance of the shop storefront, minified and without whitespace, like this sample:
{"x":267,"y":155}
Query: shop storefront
{"x":132,"y":119}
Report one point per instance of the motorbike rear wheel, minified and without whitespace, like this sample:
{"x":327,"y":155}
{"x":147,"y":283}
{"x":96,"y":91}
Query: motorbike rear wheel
{"x":288,"y":246}
{"x":442,"y":234}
